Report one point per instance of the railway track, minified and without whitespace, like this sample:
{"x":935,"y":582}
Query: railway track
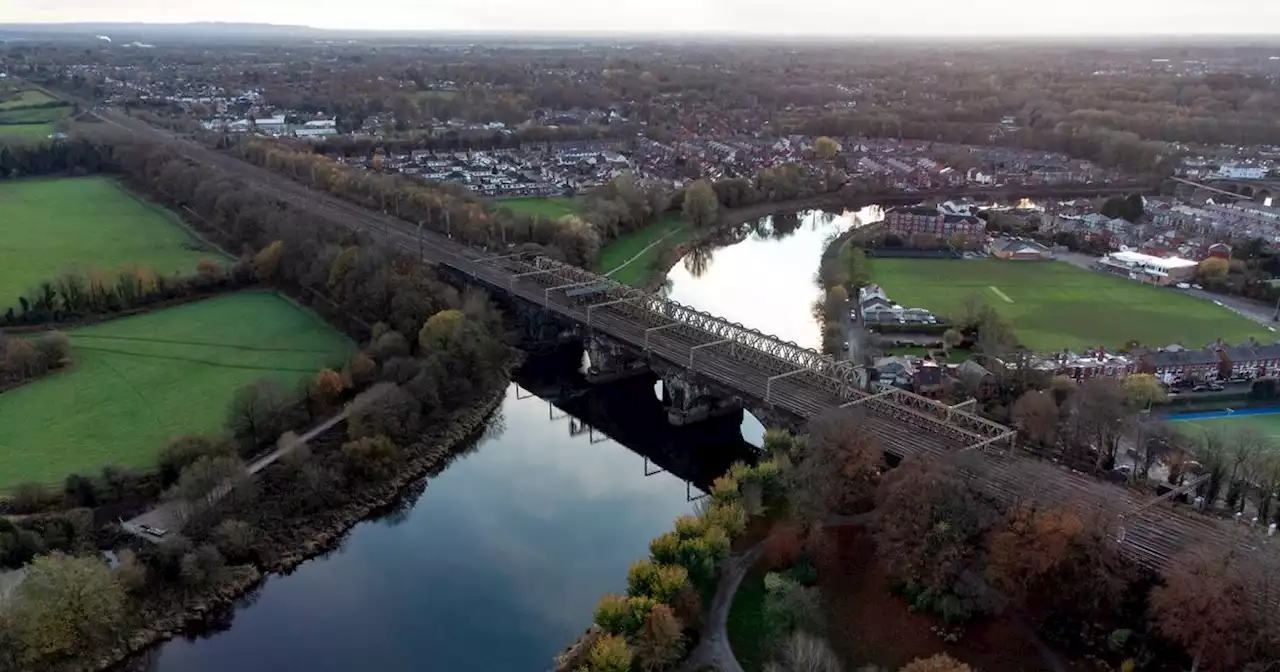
{"x":1152,"y":537}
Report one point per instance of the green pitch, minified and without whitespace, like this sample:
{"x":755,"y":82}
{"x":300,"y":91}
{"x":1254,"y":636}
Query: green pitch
{"x":1053,"y":305}
{"x":139,"y":381}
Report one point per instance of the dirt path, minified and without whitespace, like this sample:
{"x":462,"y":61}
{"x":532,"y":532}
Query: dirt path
{"x":648,"y":247}
{"x":714,"y":649}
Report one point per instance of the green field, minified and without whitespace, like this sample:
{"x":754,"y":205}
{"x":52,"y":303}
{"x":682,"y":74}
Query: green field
{"x":1054,"y":305}
{"x":50,"y":226}
{"x":34,"y":115}
{"x":27,"y":131}
{"x":1266,"y":425}
{"x":552,"y":207}
{"x":139,"y":381}
{"x":671,"y":229}
{"x":26,"y":98}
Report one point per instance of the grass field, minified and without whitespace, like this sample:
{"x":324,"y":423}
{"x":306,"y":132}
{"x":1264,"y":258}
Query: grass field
{"x":1054,"y":305}
{"x":140,"y":381}
{"x":33,"y":115}
{"x":50,"y":226}
{"x":552,"y":207}
{"x":670,"y":228}
{"x":1267,"y":424}
{"x":27,"y":131}
{"x":26,"y":98}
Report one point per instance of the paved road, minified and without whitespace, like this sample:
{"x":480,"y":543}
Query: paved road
{"x":172,"y":515}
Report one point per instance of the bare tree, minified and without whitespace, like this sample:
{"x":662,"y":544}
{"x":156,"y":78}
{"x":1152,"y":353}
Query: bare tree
{"x":1204,"y":606}
{"x":1036,"y":414}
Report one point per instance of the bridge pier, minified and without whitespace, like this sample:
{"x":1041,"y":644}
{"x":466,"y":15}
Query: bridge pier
{"x":607,"y":362}
{"x":688,"y":403}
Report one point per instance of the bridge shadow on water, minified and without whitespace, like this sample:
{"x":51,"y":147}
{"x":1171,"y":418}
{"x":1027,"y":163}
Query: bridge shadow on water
{"x":630,"y":413}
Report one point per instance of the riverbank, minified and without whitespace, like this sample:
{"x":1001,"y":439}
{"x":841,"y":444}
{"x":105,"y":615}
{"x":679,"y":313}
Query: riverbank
{"x":314,"y":536}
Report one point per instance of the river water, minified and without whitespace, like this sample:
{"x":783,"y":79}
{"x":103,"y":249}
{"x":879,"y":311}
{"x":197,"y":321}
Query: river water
{"x":499,"y":561}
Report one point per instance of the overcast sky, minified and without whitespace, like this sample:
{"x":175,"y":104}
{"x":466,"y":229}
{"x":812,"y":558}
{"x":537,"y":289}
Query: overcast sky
{"x":811,"y":17}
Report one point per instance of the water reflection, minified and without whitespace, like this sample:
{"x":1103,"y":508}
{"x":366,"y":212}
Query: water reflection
{"x":496,"y":563}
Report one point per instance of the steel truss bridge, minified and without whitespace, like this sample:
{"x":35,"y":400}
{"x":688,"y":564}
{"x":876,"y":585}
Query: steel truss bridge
{"x":769,"y":374}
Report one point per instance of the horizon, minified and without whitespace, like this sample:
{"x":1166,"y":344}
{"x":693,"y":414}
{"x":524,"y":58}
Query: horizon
{"x":932,"y":19}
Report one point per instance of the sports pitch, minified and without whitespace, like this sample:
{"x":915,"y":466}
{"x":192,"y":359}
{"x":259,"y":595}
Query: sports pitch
{"x":1053,"y":305}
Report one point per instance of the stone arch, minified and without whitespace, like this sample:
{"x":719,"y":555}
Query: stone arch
{"x":1246,"y":191}
{"x":1262,"y":195}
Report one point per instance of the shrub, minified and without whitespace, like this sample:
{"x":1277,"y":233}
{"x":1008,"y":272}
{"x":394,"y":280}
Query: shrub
{"x":618,"y":615}
{"x":372,"y":459}
{"x":697,"y":558}
{"x":53,"y":350}
{"x":939,"y":663}
{"x":236,"y":540}
{"x":789,"y":606}
{"x":769,"y":475}
{"x":660,"y":643}
{"x":183,"y":451}
{"x":689,"y":527}
{"x":665,"y":548}
{"x":729,"y":516}
{"x":668,"y":582}
{"x":718,"y":543}
{"x":802,"y":652}
{"x":725,"y":490}
{"x":640,"y":577}
{"x":609,"y":654}
{"x":804,"y":572}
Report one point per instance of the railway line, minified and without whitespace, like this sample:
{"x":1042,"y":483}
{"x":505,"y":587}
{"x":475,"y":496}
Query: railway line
{"x":766,"y":372}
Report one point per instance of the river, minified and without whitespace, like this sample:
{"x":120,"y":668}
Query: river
{"x":762,"y":275}
{"x":498,"y":563}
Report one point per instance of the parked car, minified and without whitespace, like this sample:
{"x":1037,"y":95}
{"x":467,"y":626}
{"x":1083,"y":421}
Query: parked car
{"x":1183,"y":285}
{"x":154,"y":531}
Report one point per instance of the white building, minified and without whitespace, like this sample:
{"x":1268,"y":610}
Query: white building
{"x":1146,"y":268}
{"x":1241,"y":172}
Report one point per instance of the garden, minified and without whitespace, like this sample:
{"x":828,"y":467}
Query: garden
{"x":1053,"y":305}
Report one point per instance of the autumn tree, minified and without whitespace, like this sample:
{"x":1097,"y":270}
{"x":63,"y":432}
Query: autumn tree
{"x":374,"y":458}
{"x":660,"y":643}
{"x":1143,"y":390}
{"x":328,"y":387}
{"x":700,"y":204}
{"x":836,"y":469}
{"x":266,"y":263}
{"x":929,"y":526}
{"x":1036,"y":415}
{"x":1204,"y":605}
{"x":67,"y":606}
{"x":939,"y":663}
{"x":441,"y":331}
{"x":1054,"y":559}
{"x":1213,"y":268}
{"x":826,"y":148}
{"x":610,"y":653}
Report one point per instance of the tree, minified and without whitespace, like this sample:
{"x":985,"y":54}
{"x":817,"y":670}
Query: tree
{"x":610,"y":653}
{"x":1054,"y":560}
{"x":66,"y":606}
{"x":826,"y":148}
{"x":1036,"y":414}
{"x":131,"y":572}
{"x":328,"y":388}
{"x":236,"y":540}
{"x":1204,"y":606}
{"x":660,"y":643}
{"x":1101,"y":416}
{"x":803,"y":652}
{"x":441,"y":331}
{"x":258,"y":410}
{"x":1213,"y":268}
{"x":939,"y":663}
{"x":179,"y":453}
{"x":374,"y":458}
{"x":700,"y":204}
{"x":53,"y":349}
{"x":836,"y":469}
{"x":952,"y":338}
{"x":1143,"y":390}
{"x":266,"y":263}
{"x":929,"y":526}
{"x":205,"y":478}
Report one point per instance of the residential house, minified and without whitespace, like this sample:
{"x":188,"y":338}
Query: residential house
{"x":928,"y":381}
{"x":1250,"y":361}
{"x":977,"y":380}
{"x":1219,"y":250}
{"x":1179,"y":363}
{"x":909,"y":221}
{"x":1018,"y":249}
{"x":895,"y":372}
